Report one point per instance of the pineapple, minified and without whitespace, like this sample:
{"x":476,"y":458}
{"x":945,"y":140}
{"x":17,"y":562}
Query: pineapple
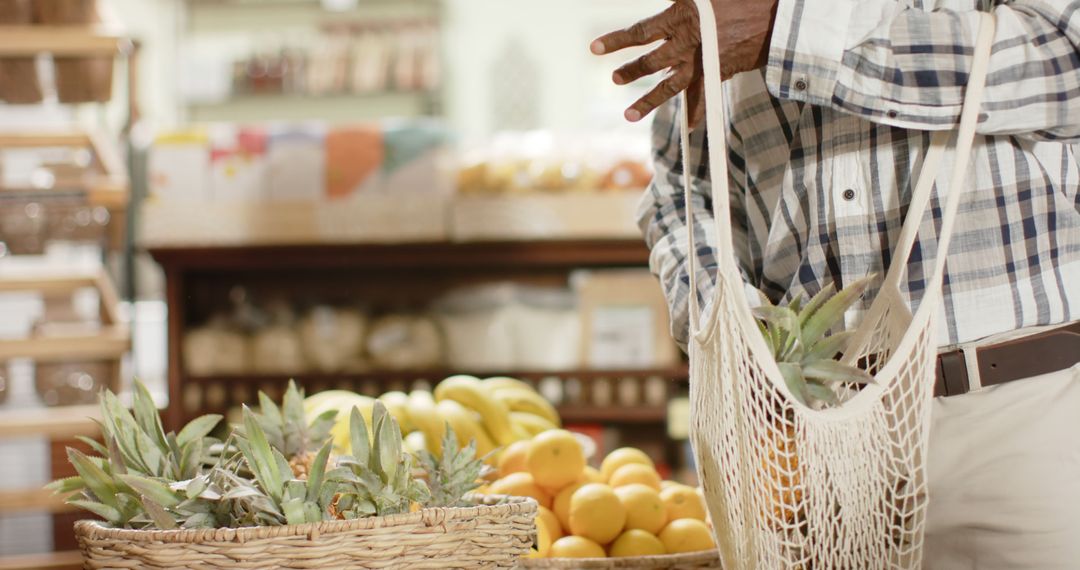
{"x":377,"y":478}
{"x":455,"y":474}
{"x":288,"y":431}
{"x":284,"y":498}
{"x":143,"y":476}
{"x":806,"y":357}
{"x":804,"y":353}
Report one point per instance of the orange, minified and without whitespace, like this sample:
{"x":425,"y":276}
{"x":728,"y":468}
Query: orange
{"x":555,"y":459}
{"x":635,"y":473}
{"x":520,"y":485}
{"x":597,"y":513}
{"x":687,"y":535}
{"x":575,"y":547}
{"x":636,"y":542}
{"x":512,"y":459}
{"x":561,"y":505}
{"x":551,"y":522}
{"x":592,"y":475}
{"x":644,"y":509}
{"x":620,"y":457}
{"x":543,"y":538}
{"x":683,"y":502}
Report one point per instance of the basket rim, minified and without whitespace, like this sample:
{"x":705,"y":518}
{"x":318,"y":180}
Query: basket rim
{"x":662,"y":559}
{"x":489,"y":505}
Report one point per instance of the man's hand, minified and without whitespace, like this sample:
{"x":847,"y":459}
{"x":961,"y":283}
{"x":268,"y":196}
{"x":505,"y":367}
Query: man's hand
{"x":744,"y":26}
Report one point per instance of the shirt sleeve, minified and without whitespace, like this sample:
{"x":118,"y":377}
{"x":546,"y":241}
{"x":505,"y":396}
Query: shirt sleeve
{"x":662,"y":219}
{"x":904,"y":66}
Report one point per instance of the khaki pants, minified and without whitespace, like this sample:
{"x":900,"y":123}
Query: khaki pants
{"x":1004,"y":477}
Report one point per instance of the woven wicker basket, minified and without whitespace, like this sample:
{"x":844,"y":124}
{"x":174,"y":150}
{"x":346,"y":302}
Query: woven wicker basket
{"x":486,"y":536}
{"x":709,"y":560}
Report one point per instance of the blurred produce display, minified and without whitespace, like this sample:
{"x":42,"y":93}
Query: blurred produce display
{"x":488,"y":327}
{"x":541,"y":161}
{"x":228,"y":163}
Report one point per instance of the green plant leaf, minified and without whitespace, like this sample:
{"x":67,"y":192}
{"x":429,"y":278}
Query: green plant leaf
{"x":200,"y":520}
{"x":389,"y":443}
{"x":358,"y":437}
{"x":793,"y":377}
{"x":198,"y":428}
{"x":260,"y":457}
{"x":104,"y":511}
{"x":829,"y":371}
{"x":96,"y":479}
{"x":195,"y":487}
{"x":162,"y":519}
{"x":818,"y":391}
{"x":831,"y":312}
{"x":828,"y":348}
{"x":66,"y":485}
{"x":93,"y":444}
{"x":147,"y":416}
{"x":816,"y":302}
{"x":317,"y":473}
{"x":154,"y":490}
{"x":294,"y":511}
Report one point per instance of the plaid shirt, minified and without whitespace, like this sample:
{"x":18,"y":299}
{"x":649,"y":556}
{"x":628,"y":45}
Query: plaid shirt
{"x":826,"y":141}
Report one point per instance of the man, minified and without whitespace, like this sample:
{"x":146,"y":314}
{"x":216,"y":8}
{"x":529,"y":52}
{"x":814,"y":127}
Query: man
{"x":829,"y":103}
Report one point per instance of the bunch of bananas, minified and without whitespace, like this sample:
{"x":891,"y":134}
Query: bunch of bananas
{"x":494,"y":412}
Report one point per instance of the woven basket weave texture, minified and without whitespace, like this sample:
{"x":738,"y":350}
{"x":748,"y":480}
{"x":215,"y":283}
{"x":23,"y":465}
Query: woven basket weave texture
{"x":485,"y":536}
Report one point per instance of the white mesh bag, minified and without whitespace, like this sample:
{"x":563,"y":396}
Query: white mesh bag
{"x":789,"y":486}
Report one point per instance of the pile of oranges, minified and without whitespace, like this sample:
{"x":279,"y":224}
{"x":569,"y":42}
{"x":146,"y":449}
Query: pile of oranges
{"x":621,"y":509}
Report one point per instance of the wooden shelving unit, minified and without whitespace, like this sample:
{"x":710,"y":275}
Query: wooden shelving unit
{"x":197,"y":278}
{"x":59,"y":40}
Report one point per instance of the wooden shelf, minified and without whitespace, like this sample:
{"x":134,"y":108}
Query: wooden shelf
{"x":674,"y":373}
{"x":433,"y":256}
{"x":54,"y":423}
{"x":50,"y":561}
{"x":58,"y":40}
{"x":32,"y":500}
{"x":334,"y":108}
{"x":614,"y":414}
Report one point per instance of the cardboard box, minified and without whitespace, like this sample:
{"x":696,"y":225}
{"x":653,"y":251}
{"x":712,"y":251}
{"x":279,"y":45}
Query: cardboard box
{"x":625,"y":322}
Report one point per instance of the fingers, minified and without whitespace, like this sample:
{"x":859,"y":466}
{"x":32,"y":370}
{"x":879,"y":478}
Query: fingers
{"x":667,"y":55}
{"x":668,"y":88}
{"x":642,"y":33}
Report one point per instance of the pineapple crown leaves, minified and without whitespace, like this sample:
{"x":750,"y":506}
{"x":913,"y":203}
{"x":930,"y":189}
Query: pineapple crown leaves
{"x":805,"y":356}
{"x":377,"y":477}
{"x":300,"y":501}
{"x":457,"y":472}
{"x":136,"y":448}
{"x":287,"y":428}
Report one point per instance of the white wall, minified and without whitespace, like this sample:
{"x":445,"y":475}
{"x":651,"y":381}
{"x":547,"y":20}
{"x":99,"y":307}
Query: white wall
{"x":575,"y":91}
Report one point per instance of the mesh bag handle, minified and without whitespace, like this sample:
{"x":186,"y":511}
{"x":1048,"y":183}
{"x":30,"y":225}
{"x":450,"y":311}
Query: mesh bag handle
{"x":727,"y":266}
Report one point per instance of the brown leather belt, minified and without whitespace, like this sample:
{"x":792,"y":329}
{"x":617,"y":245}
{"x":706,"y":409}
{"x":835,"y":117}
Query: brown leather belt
{"x":1042,"y":353}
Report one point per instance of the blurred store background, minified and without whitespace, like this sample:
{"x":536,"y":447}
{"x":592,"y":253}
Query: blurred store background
{"x":216,"y":196}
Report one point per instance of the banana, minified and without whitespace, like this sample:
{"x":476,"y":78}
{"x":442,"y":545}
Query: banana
{"x":343,"y":402}
{"x":397,"y":403}
{"x":415,"y":442}
{"x":531,"y":423}
{"x":519,"y":400}
{"x":467,"y":391}
{"x":466,"y":426}
{"x":425,"y":416}
{"x":500,"y":382}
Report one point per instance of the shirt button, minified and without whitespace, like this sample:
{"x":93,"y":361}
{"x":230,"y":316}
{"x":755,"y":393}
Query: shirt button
{"x":800,"y":85}
{"x":849,"y":194}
